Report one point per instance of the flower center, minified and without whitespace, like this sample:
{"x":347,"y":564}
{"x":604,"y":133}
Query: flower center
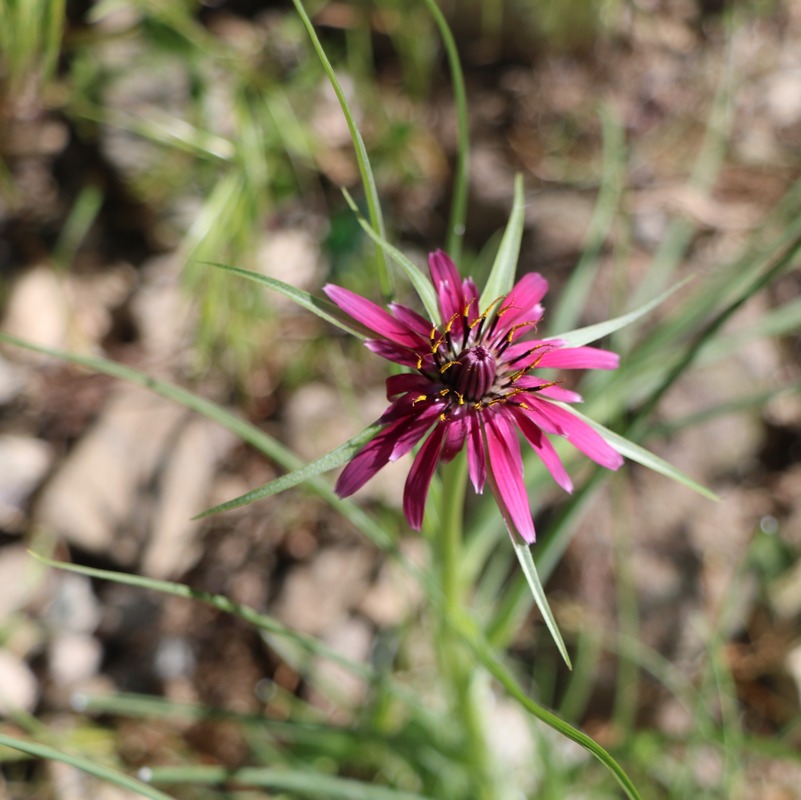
{"x":473,"y":373}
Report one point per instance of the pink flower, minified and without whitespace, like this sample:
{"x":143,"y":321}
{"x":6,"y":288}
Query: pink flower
{"x":473,"y":382}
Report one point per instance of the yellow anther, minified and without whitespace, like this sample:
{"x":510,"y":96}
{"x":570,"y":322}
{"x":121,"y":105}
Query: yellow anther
{"x":419,"y":399}
{"x":445,"y":367}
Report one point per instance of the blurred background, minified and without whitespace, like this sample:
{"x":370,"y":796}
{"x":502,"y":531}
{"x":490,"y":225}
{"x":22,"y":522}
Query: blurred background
{"x":142,"y":139}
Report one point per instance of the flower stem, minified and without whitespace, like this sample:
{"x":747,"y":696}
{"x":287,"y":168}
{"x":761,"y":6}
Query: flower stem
{"x":457,"y":668}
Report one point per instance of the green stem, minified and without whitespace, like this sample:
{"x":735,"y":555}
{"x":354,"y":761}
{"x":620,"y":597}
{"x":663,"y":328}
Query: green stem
{"x":457,"y":668}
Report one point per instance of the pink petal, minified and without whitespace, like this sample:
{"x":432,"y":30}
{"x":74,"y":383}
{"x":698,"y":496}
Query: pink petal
{"x":412,"y":319}
{"x":456,"y":428}
{"x":371,"y":458}
{"x":406,"y":382}
{"x":393,"y":352}
{"x":476,"y":459}
{"x":373,"y":316}
{"x":543,"y":448}
{"x":409,"y":437}
{"x":507,"y":475}
{"x":524,"y":354}
{"x":416,"y":490}
{"x":555,"y":392}
{"x":522,"y":304}
{"x":553,"y":419}
{"x":470,"y":294}
{"x":579,"y":358}
{"x":447,"y":283}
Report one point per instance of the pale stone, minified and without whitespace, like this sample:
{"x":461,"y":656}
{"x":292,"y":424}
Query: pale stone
{"x":292,"y":256}
{"x":73,"y":607}
{"x":73,"y":658}
{"x":21,"y":579}
{"x":132,"y":484}
{"x":24,"y":462}
{"x":317,"y":595}
{"x":37,"y":309}
{"x":335,"y":686}
{"x":19,"y":689}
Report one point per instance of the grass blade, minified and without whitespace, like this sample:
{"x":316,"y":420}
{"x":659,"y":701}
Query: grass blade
{"x":422,"y":285}
{"x":634,"y":452}
{"x":107,"y":774}
{"x":308,"y":784}
{"x":317,"y":305}
{"x":329,"y":461}
{"x":493,"y":664}
{"x":526,"y":560}
{"x":502,"y":275}
{"x":362,"y":159}
{"x":456,"y":223}
{"x":591,"y":333}
{"x":261,"y":621}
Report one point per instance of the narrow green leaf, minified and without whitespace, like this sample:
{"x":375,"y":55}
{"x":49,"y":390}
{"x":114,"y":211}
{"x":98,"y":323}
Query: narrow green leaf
{"x":362,"y":159}
{"x":591,"y":333}
{"x":523,"y":553}
{"x":107,"y":774}
{"x":493,"y":664}
{"x":323,"y":308}
{"x":632,"y":451}
{"x":309,"y":784}
{"x":329,"y":461}
{"x":502,"y":275}
{"x":456,"y":223}
{"x":420,"y":282}
{"x":263,"y":622}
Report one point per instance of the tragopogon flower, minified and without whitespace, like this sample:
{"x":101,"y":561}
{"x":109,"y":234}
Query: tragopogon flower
{"x":473,"y":382}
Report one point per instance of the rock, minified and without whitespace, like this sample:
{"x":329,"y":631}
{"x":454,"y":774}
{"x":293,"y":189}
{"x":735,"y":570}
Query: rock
{"x":37,"y":310}
{"x":132,"y":484}
{"x":73,"y":658}
{"x":24,"y":461}
{"x":317,"y":595}
{"x":352,"y":639}
{"x":21,"y":579}
{"x":73,"y":607}
{"x":292,"y":256}
{"x":18,"y":686}
{"x":396,"y":593}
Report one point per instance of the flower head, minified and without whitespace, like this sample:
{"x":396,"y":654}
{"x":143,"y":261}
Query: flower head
{"x":474,"y":383}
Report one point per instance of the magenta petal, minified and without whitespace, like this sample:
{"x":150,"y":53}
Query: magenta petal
{"x":407,"y":382}
{"x":579,"y":358}
{"x":456,"y":428}
{"x":507,"y":476}
{"x":373,"y":316}
{"x":409,"y":437}
{"x":447,"y":283}
{"x":577,"y":432}
{"x":470,"y":295}
{"x":555,"y":392}
{"x":416,"y":490}
{"x":412,"y":319}
{"x":476,"y":459}
{"x":543,"y":448}
{"x":393,"y":352}
{"x":370,"y":459}
{"x":522,"y":303}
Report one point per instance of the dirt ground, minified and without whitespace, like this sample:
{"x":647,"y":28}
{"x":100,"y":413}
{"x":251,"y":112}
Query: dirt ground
{"x":108,"y":475}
